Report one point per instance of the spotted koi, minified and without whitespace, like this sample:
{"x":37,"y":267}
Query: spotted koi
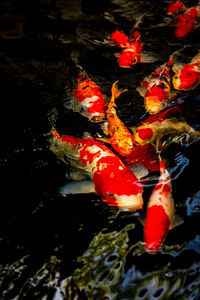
{"x":113,"y":181}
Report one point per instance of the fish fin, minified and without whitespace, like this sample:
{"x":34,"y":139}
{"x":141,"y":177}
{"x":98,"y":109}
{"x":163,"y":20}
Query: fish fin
{"x":176,"y":221}
{"x":104,"y":128}
{"x":133,"y":128}
{"x":115,"y":91}
{"x":103,"y":140}
{"x":77,"y":187}
{"x":86,"y":135}
{"x":141,"y":90}
{"x":75,"y":174}
{"x":139,"y":170}
{"x":142,"y":217}
{"x":148,"y":58}
{"x":196,"y":58}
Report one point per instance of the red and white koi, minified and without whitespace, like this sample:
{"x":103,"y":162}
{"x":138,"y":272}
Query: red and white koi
{"x":132,"y":48}
{"x":187,"y":76}
{"x":160,"y":215}
{"x":89,"y":99}
{"x":156,"y":89}
{"x":187,"y":18}
{"x":113,"y":181}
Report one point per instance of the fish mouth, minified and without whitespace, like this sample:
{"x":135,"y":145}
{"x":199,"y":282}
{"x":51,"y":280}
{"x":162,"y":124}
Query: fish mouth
{"x":152,"y":248}
{"x":130,"y":203}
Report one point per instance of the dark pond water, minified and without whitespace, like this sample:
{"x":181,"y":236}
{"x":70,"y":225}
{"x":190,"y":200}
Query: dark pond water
{"x":77,"y":247}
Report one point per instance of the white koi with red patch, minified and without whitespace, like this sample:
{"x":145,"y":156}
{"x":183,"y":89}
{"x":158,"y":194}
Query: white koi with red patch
{"x":113,"y":181}
{"x":160,"y":212}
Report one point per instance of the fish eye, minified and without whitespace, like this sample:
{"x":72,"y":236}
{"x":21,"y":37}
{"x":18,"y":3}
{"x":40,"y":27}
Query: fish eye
{"x":110,"y":195}
{"x":78,"y":146}
{"x":96,"y":119}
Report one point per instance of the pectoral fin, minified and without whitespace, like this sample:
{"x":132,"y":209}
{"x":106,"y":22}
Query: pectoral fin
{"x":139,"y":170}
{"x":77,"y":187}
{"x":176,"y":221}
{"x":141,"y":90}
{"x":148,"y":58}
{"x":103,"y":140}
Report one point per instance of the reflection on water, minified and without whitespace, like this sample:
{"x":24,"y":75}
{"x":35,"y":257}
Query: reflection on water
{"x":76,"y":248}
{"x":105,"y":272}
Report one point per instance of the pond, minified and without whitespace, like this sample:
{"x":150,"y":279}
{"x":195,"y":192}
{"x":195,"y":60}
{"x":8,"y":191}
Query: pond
{"x":77,"y":247}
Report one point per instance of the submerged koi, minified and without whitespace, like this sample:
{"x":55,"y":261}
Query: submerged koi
{"x":120,"y":137}
{"x":144,"y":155}
{"x":156,"y":89}
{"x":89,"y":99}
{"x":175,"y":7}
{"x":113,"y":181}
{"x":160,"y":216}
{"x":187,"y":76}
{"x":173,"y":130}
{"x":131,"y":54}
{"x":187,"y":21}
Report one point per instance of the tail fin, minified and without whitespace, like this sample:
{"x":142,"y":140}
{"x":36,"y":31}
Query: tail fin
{"x":75,"y":56}
{"x":115,"y":91}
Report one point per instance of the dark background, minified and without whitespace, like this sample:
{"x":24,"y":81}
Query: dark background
{"x":42,"y":233}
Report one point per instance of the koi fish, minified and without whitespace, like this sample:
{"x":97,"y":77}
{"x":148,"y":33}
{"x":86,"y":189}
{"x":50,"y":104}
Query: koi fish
{"x":144,"y":155}
{"x":173,"y":130}
{"x":120,"y":137}
{"x":87,"y":99}
{"x":175,"y":7}
{"x":131,"y":54}
{"x":187,"y":76}
{"x":160,"y":215}
{"x":112,"y":180}
{"x":156,"y":89}
{"x":186,"y":22}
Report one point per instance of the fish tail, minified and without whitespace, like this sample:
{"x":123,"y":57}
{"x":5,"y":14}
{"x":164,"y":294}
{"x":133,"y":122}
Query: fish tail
{"x":116,"y":92}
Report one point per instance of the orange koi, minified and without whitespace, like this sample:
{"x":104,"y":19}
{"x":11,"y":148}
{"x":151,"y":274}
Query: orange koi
{"x":120,"y":137}
{"x":160,"y":216}
{"x":89,"y":99}
{"x":156,"y":89}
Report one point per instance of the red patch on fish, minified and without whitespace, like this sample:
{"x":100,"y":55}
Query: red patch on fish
{"x":86,"y":90}
{"x":175,"y":7}
{"x":111,"y":177}
{"x":185,"y":23}
{"x":162,"y":115}
{"x":145,"y":133}
{"x":157,"y":93}
{"x":156,"y":227}
{"x":189,"y":76}
{"x":145,"y":155}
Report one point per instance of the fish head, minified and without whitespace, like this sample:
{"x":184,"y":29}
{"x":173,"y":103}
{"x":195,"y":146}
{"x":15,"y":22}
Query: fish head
{"x":127,"y":58}
{"x":186,"y":22}
{"x":156,"y":99}
{"x":155,"y":228}
{"x":117,"y":185}
{"x":175,"y":7}
{"x":123,"y":146}
{"x":69,"y":148}
{"x":186,"y":78}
